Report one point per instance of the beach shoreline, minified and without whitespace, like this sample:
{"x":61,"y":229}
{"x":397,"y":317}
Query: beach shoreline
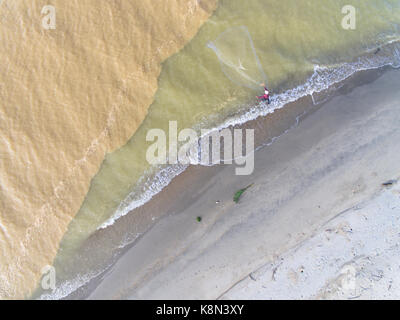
{"x":86,"y":85}
{"x":172,"y":238}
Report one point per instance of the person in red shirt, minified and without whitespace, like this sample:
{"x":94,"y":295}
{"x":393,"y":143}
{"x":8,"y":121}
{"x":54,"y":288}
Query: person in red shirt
{"x":265,"y":96}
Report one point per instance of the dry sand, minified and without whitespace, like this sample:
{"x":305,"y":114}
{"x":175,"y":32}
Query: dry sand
{"x":68,"y":96}
{"x":356,"y":255}
{"x":336,"y":159}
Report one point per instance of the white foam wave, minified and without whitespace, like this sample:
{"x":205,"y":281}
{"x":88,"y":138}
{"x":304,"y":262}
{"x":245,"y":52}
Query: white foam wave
{"x":150,"y":188}
{"x":67,"y":287}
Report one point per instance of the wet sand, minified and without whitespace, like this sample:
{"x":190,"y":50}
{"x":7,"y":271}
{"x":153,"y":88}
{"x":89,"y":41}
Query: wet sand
{"x":336,"y":158}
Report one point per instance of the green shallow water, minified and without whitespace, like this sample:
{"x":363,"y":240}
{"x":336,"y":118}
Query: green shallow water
{"x":289,"y":36}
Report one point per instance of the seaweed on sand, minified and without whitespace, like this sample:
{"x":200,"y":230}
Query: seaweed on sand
{"x":239,"y":193}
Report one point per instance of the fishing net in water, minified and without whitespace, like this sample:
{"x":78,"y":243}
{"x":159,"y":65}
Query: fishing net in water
{"x":239,"y":62}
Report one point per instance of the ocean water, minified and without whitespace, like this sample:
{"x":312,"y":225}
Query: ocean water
{"x":70,"y":95}
{"x":303,"y":50}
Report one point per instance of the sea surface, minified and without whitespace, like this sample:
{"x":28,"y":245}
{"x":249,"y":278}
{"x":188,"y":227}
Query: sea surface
{"x":76,"y":81}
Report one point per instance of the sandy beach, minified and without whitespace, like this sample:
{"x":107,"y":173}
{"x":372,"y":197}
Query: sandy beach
{"x":317,"y":200}
{"x":353,"y":256}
